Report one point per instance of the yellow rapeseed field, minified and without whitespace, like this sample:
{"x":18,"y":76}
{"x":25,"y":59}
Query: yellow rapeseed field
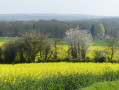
{"x":26,"y":76}
{"x":1,"y":43}
{"x":63,"y":51}
{"x":15,"y":73}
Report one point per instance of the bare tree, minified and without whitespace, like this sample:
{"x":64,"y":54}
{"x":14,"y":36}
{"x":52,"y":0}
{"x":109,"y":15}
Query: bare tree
{"x":55,"y":52}
{"x":111,"y":49}
{"x":46,"y":52}
{"x":79,"y":41}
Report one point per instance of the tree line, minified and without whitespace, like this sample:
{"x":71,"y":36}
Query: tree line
{"x":33,"y":44}
{"x":97,"y":28}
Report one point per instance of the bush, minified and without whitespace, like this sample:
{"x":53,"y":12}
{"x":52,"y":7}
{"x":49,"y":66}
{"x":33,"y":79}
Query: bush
{"x":25,"y":48}
{"x":10,"y":52}
{"x":99,"y":56}
{"x":114,"y":61}
{"x":1,"y":53}
{"x":88,"y":59}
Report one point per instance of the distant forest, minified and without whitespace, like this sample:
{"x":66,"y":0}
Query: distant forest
{"x":57,"y":29}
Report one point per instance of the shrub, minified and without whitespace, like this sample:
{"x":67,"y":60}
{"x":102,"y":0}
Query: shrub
{"x":1,"y":60}
{"x":10,"y":52}
{"x":99,"y":56}
{"x":88,"y":59}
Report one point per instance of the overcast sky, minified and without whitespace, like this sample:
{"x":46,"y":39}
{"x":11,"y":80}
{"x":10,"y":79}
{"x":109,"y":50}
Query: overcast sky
{"x":92,"y":7}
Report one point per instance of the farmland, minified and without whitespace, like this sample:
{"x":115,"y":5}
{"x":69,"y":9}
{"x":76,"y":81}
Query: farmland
{"x":110,"y":85}
{"x":56,"y":75}
{"x":59,"y":76}
{"x":61,"y":42}
{"x":6,"y":39}
{"x":63,"y":47}
{"x":59,"y":45}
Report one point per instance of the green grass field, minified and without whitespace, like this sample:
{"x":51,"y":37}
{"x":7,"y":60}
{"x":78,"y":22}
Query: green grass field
{"x":6,"y":39}
{"x":99,"y":42}
{"x":61,"y":42}
{"x":95,"y":42}
{"x":107,"y":85}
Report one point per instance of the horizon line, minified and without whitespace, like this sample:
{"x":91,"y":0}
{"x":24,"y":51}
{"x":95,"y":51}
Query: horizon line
{"x":58,"y":14}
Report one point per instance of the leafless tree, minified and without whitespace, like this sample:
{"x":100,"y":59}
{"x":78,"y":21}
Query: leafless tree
{"x":111,"y":49}
{"x":55,"y":52}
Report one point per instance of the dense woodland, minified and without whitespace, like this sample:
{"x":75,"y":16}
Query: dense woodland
{"x":57,"y":29}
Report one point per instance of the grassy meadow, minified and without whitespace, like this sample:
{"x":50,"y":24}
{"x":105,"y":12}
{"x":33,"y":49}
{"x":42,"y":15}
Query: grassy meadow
{"x":61,"y":41}
{"x":6,"y":39}
{"x":95,"y":42}
{"x":110,"y":85}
